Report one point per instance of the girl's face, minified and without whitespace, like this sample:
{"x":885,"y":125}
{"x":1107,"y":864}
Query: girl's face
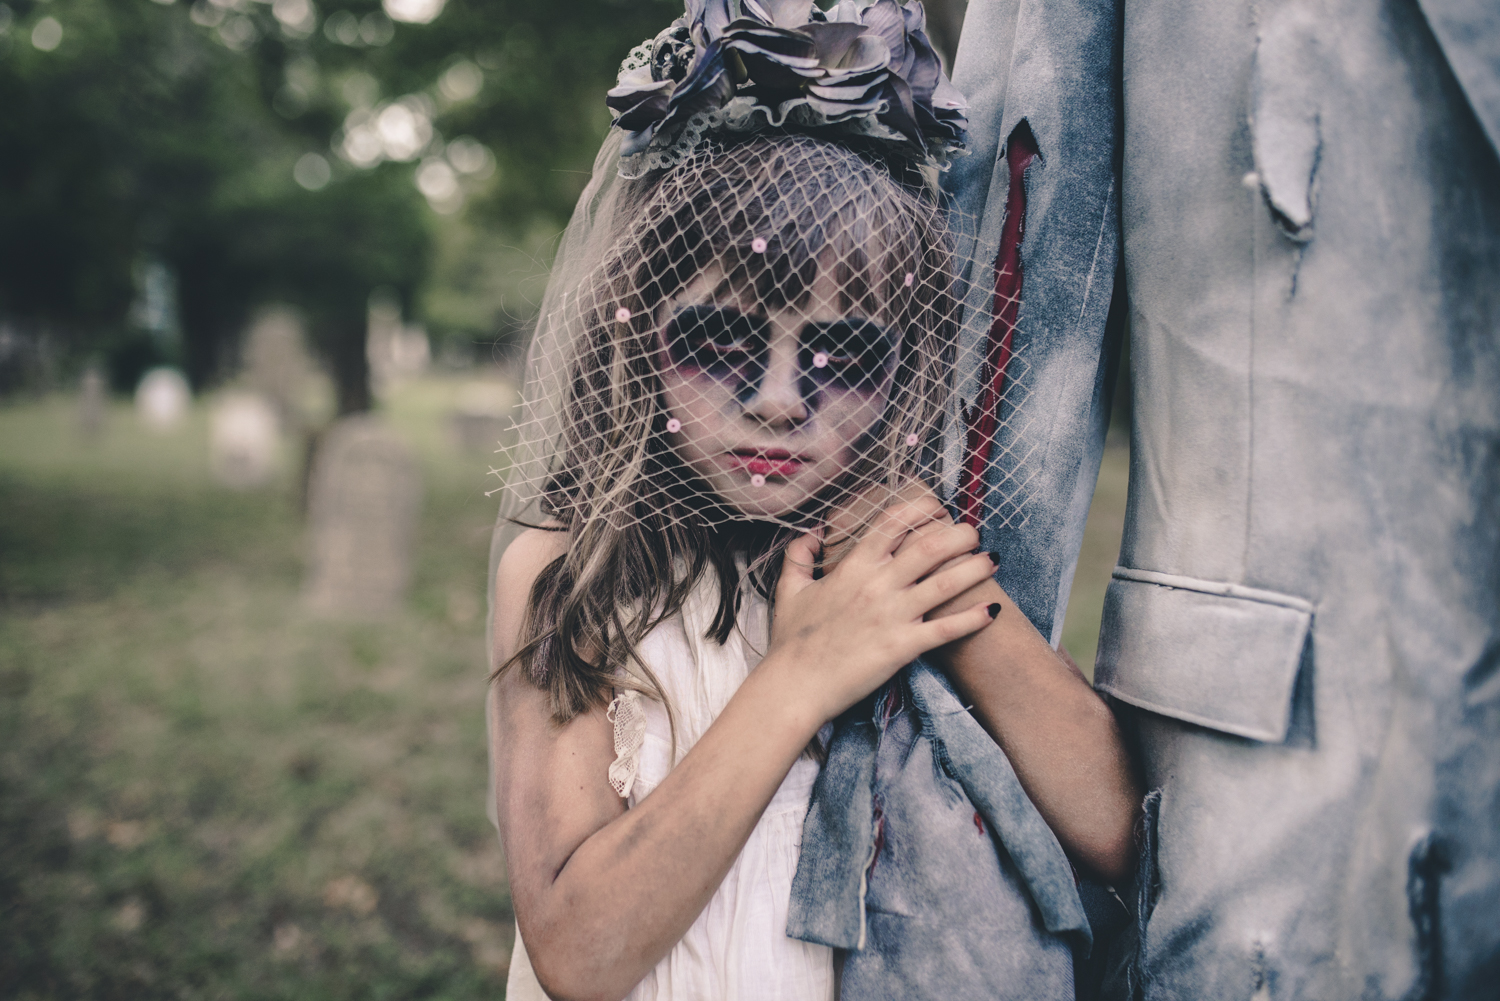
{"x":770,"y":406}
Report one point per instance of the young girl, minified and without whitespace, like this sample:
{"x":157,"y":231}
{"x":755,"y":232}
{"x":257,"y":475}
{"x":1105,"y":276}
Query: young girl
{"x":734,"y":541}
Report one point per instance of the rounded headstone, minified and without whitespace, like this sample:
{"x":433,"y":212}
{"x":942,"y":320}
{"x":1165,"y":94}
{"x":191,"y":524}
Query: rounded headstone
{"x":242,"y":440}
{"x":481,"y":415}
{"x":162,"y":398}
{"x":278,"y":365}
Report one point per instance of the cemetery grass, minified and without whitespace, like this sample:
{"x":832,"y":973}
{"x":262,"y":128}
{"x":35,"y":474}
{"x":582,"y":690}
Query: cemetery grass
{"x":1100,"y":551}
{"x":205,"y":793}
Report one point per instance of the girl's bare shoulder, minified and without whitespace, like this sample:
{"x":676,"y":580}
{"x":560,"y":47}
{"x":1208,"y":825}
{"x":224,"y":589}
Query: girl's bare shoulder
{"x":523,"y":561}
{"x":529,"y":554}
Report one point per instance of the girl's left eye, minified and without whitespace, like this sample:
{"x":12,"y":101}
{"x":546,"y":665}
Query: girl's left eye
{"x":851,"y":352}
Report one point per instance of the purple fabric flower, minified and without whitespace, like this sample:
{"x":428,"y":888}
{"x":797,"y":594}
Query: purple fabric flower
{"x":853,"y":63}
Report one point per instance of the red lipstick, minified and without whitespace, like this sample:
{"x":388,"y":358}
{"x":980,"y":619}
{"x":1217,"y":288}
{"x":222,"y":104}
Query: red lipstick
{"x":767,"y":461}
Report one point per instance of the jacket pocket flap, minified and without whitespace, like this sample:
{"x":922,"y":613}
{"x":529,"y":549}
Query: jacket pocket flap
{"x":1218,"y":655}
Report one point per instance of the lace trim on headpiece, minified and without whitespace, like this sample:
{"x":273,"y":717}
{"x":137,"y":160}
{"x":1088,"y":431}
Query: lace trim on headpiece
{"x":743,"y":66}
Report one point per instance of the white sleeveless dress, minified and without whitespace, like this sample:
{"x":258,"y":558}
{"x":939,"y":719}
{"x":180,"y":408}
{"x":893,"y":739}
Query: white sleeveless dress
{"x":737,"y":949}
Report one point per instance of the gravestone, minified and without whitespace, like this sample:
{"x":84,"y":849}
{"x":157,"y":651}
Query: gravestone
{"x":396,"y":352}
{"x":93,"y":398}
{"x":481,"y":414}
{"x":162,"y":398}
{"x":364,"y":497}
{"x":242,"y":440}
{"x":278,"y":365}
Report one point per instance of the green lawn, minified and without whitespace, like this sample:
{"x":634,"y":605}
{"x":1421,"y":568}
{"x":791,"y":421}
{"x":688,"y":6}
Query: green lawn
{"x":1101,"y":550}
{"x":204,"y":793}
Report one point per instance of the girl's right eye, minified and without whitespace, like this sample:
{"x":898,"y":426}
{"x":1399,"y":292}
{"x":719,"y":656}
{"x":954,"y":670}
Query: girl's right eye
{"x":716,"y":339}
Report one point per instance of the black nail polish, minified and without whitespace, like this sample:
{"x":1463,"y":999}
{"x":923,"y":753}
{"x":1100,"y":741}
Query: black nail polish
{"x":994,"y":609}
{"x":994,"y":558}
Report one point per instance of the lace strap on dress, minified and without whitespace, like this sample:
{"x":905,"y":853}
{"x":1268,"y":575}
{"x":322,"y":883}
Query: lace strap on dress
{"x":629,"y":718}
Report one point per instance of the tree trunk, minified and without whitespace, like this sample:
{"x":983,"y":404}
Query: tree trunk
{"x":349,"y":362}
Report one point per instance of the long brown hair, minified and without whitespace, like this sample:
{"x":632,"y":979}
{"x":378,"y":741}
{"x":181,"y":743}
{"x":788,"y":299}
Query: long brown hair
{"x":642,"y":530}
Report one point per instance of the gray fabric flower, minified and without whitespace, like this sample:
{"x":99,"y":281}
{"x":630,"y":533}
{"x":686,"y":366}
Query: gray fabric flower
{"x":869,"y":69}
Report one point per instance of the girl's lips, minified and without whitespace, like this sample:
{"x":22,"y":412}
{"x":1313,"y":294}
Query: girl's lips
{"x":766,"y":462}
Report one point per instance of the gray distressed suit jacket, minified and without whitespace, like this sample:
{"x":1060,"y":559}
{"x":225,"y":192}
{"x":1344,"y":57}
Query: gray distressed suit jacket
{"x":922,"y":855}
{"x":1303,"y":633}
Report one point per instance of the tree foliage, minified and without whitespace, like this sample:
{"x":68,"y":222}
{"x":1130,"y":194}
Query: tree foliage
{"x":171,"y":133}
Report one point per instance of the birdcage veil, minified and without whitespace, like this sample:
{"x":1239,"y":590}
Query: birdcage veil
{"x":527,"y":451}
{"x":762,"y":318}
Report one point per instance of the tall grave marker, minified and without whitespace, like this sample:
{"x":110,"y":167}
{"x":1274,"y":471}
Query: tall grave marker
{"x":364,"y":498}
{"x":93,"y":403}
{"x":278,"y":365}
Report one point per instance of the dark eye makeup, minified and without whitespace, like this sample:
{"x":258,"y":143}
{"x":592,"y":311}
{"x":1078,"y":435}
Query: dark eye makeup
{"x":855,"y":352}
{"x":723,"y":342}
{"x":719,"y":340}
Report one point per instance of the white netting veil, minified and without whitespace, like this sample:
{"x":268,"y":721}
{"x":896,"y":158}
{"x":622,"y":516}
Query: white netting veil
{"x":777,"y":331}
{"x":755,"y":335}
{"x":763,"y":333}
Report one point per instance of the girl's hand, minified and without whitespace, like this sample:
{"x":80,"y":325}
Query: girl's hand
{"x":843,"y":636}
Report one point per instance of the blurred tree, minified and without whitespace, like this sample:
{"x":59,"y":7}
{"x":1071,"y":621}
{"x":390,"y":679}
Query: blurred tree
{"x":945,"y":20}
{"x":143,"y":136}
{"x":68,"y":218}
{"x":284,"y":150}
{"x":284,"y":243}
{"x":513,"y":92}
{"x":224,"y":140}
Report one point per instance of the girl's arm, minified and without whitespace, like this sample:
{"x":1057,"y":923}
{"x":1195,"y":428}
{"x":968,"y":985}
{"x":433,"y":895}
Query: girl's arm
{"x":1060,"y":737}
{"x":601,"y":893}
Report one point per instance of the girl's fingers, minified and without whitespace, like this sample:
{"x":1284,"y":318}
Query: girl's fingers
{"x":936,"y":525}
{"x":941,"y":632}
{"x":925,"y":552}
{"x":890,"y":527}
{"x":946,"y":584}
{"x":797,"y":563}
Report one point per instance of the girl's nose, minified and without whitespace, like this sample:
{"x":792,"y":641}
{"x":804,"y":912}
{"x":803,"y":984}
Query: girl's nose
{"x":778,"y":401}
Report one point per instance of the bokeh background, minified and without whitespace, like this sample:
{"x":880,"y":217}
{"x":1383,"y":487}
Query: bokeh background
{"x":227,"y":228}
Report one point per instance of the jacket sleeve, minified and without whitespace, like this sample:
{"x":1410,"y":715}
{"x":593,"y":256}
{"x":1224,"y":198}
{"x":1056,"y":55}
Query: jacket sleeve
{"x":1043,"y":83}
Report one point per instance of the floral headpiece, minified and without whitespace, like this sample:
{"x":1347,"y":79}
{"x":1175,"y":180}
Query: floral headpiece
{"x":855,"y":70}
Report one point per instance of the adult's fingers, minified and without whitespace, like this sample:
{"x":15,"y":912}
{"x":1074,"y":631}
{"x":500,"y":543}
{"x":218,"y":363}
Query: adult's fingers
{"x":936,"y":525}
{"x":849,"y":519}
{"x":946,"y":584}
{"x":942,"y":521}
